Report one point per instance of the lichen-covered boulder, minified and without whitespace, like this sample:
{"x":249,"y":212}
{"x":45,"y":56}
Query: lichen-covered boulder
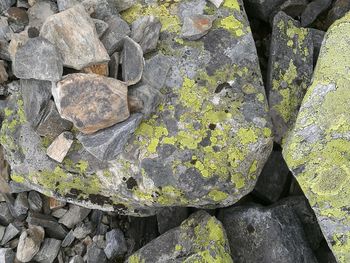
{"x":317,"y":151}
{"x":200,"y":238}
{"x":205,"y":144}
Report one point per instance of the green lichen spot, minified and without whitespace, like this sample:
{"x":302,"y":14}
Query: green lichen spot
{"x":247,"y":136}
{"x":17,"y":178}
{"x":217,"y":195}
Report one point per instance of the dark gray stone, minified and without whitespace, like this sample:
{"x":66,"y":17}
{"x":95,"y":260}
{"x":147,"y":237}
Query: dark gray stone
{"x":51,"y":124}
{"x":82,"y":230}
{"x":5,"y":214}
{"x":49,"y":251}
{"x":262,"y":8}
{"x":171,"y":217}
{"x":113,"y":65}
{"x":338,"y":10}
{"x":7,"y":255}
{"x":265,"y":235}
{"x":17,"y":18}
{"x":313,"y":10}
{"x":106,"y":144}
{"x":52,"y":227}
{"x":273,"y":179}
{"x":114,"y":36}
{"x":294,"y":8}
{"x":6,"y":4}
{"x":10,"y":233}
{"x":38,"y":59}
{"x":132,"y":62}
{"x":115,"y":244}
{"x":95,"y":255}
{"x":35,"y":201}
{"x":101,"y":26}
{"x":148,"y":96}
{"x":317,"y":38}
{"x":36,"y":97}
{"x":75,"y":215}
{"x":145,"y":31}
{"x":156,"y":70}
{"x":68,"y":240}
{"x":21,"y":205}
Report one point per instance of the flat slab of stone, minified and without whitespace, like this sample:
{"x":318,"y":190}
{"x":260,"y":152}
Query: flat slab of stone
{"x":59,"y":148}
{"x":317,"y":149}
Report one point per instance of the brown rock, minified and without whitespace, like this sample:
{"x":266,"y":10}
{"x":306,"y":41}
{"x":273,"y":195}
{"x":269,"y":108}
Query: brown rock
{"x":99,"y":69}
{"x":60,"y":146}
{"x":56,"y":204}
{"x":92,"y":102}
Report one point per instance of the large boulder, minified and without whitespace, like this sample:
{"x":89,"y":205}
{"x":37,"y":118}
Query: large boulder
{"x":204,"y":146}
{"x":317,"y":151}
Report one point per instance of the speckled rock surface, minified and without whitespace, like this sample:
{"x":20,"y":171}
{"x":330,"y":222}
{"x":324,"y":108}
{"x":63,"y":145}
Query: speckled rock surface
{"x":317,"y":151}
{"x":200,"y":238}
{"x":204,"y":146}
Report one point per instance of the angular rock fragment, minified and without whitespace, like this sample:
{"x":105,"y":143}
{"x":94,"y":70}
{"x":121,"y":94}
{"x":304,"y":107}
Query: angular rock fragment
{"x":68,"y":240}
{"x":171,"y":217}
{"x":78,"y":43}
{"x":59,"y":148}
{"x":17,"y":18}
{"x":82,"y":230}
{"x":145,"y":31}
{"x":91,"y":102}
{"x":6,"y":4}
{"x":294,"y":8}
{"x":35,"y":202}
{"x":317,"y":149}
{"x":29,"y":243}
{"x":317,"y":38}
{"x":113,"y":65}
{"x":100,"y":9}
{"x":101,"y":27}
{"x":217,"y":3}
{"x":156,"y":71}
{"x":99,"y":69}
{"x":196,"y":26}
{"x":5,"y":214}
{"x":38,"y":59}
{"x":39,"y":12}
{"x":95,"y":255}
{"x":65,"y":4}
{"x":262,"y":9}
{"x":21,"y":205}
{"x":313,"y":9}
{"x":74,"y":215}
{"x":201,"y":238}
{"x":5,"y":30}
{"x":289,"y":73}
{"x":17,"y":41}
{"x":108,"y":143}
{"x":132,"y":62}
{"x":122,"y":5}
{"x":11,"y":232}
{"x":147,"y":97}
{"x":7,"y":255}
{"x":339,"y":9}
{"x":76,"y":259}
{"x":272,"y":234}
{"x":114,"y":36}
{"x":115,"y":244}
{"x":48,"y":251}
{"x":3,"y":73}
{"x":56,"y":204}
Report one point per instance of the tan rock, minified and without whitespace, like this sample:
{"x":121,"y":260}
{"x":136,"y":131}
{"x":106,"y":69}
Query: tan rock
{"x":92,"y":102}
{"x":60,"y":146}
{"x":99,"y":69}
{"x":3,"y":73}
{"x":56,"y":204}
{"x":29,"y":243}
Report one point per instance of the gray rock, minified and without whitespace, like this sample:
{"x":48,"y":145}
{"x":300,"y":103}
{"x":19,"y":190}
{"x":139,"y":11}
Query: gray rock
{"x":5,"y":30}
{"x":106,"y":97}
{"x":113,"y":65}
{"x":262,"y":9}
{"x":108,"y":143}
{"x":201,"y":238}
{"x":122,"y":5}
{"x":100,"y":241}
{"x":29,"y":243}
{"x":78,"y":43}
{"x":115,"y":244}
{"x":273,"y":179}
{"x":7,"y":255}
{"x":18,"y":187}
{"x":289,"y":71}
{"x":36,"y":97}
{"x":38,"y":59}
{"x":171,"y":217}
{"x":68,"y":240}
{"x":40,"y":11}
{"x":95,"y":254}
{"x":10,"y":233}
{"x":82,"y":230}
{"x":338,"y":10}
{"x":146,"y":96}
{"x":65,"y":4}
{"x":5,"y":214}
{"x":100,"y":9}
{"x":101,"y":27}
{"x":76,"y":259}
{"x":49,"y":251}
{"x":2,"y":231}
{"x":52,"y":227}
{"x":114,"y":36}
{"x":294,"y":8}
{"x":217,"y":3}
{"x":58,"y":213}
{"x":266,"y":235}
{"x":317,"y":38}
{"x":4,"y":5}
{"x":145,"y":31}
{"x":156,"y":71}
{"x":132,"y":62}
{"x":51,"y":124}
{"x":35,"y":202}
{"x":313,"y":10}
{"x":196,"y":26}
{"x":21,"y":205}
{"x":75,"y":215}
{"x":17,"y":18}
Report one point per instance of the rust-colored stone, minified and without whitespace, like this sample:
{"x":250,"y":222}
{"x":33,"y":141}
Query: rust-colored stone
{"x":99,"y":69}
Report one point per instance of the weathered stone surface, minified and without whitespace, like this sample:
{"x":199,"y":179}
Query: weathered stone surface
{"x":48,"y":251}
{"x":59,"y":148}
{"x":5,"y":214}
{"x":40,"y":11}
{"x":82,"y":230}
{"x":316,"y":150}
{"x":262,"y":9}
{"x":29,"y":243}
{"x":36,"y":97}
{"x":95,"y":255}
{"x":101,"y":26}
{"x":266,"y":235}
{"x":108,"y":143}
{"x":196,"y":26}
{"x":74,"y":216}
{"x":7,"y":255}
{"x":17,"y":41}
{"x":3,"y":72}
{"x":91,"y":102}
{"x":68,"y":240}
{"x":78,"y":43}
{"x":5,"y":30}
{"x":201,"y":238}
{"x":99,"y":9}
{"x":99,"y":69}
{"x":289,"y":73}
{"x":145,"y":31}
{"x":313,"y":9}
{"x":11,"y":232}
{"x":76,"y":259}
{"x":6,"y":4}
{"x":115,"y":244}
{"x":35,"y":202}
{"x":65,"y":4}
{"x":21,"y":204}
{"x":317,"y":38}
{"x":147,"y":97}
{"x":113,"y":38}
{"x":156,"y":71}
{"x":339,"y":9}
{"x":217,"y":3}
{"x":122,"y":5}
{"x":17,"y":18}
{"x":204,"y":146}
{"x":113,"y":65}
{"x":38,"y":59}
{"x":293,"y":8}
{"x":132,"y":62}
{"x":171,"y":217}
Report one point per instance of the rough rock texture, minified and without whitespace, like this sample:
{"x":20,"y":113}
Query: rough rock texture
{"x":59,"y":148}
{"x":29,"y":243}
{"x":289,"y":71}
{"x":92,"y":102}
{"x":317,"y":149}
{"x":48,"y":251}
{"x":194,"y":27}
{"x":265,"y":235}
{"x":39,"y":12}
{"x":313,"y":9}
{"x":132,"y":61}
{"x":204,"y":146}
{"x":7,"y":255}
{"x":78,"y":43}
{"x":200,"y":238}
{"x":145,"y":31}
